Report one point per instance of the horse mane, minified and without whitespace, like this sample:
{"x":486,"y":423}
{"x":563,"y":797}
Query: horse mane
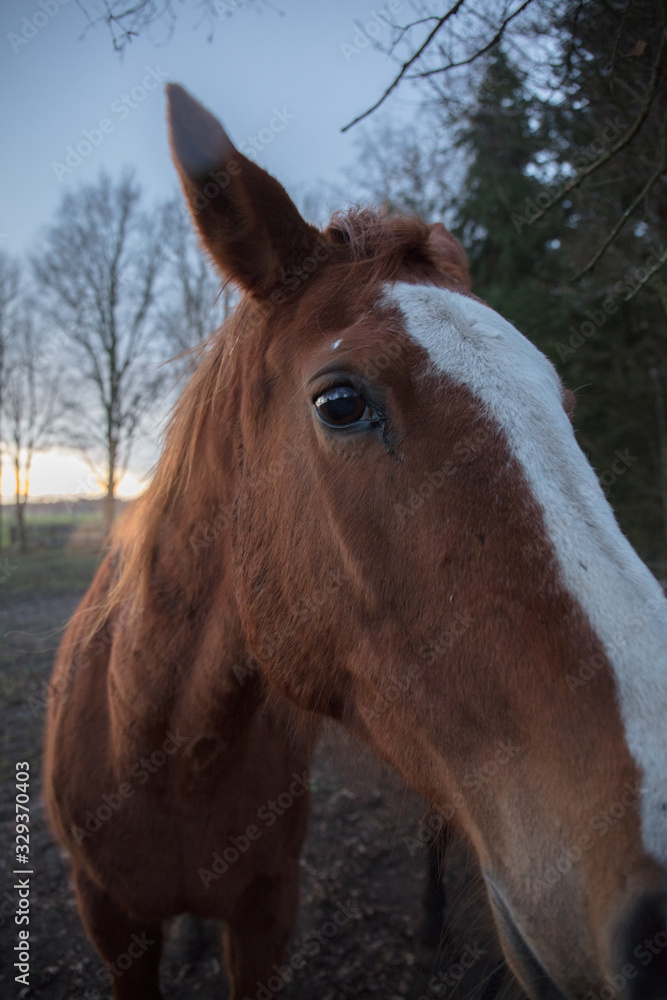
{"x":387,"y":242}
{"x":393,"y":243}
{"x":384,"y":245}
{"x":134,"y":538}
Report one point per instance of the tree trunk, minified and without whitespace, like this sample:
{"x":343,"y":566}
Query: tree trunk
{"x":110,"y":499}
{"x":20,"y":520}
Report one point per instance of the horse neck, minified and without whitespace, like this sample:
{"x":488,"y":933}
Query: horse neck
{"x":180,"y":658}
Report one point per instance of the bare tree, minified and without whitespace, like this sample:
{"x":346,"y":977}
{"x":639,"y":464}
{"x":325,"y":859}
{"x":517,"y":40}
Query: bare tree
{"x":198,"y":304}
{"x":412,"y":169}
{"x":9,"y":292}
{"x":127,"y":19}
{"x":32,"y":406}
{"x":99,"y":270}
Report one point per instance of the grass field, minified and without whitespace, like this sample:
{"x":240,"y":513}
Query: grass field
{"x":46,"y":571}
{"x":45,"y":568}
{"x":43,"y":515}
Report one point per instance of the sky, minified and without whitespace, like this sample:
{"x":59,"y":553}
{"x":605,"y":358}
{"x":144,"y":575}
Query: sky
{"x":305,"y":59}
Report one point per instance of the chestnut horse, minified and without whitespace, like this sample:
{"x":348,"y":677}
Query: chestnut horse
{"x":371,"y":506}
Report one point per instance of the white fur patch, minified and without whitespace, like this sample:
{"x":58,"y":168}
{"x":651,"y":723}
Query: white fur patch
{"x":623,"y":602}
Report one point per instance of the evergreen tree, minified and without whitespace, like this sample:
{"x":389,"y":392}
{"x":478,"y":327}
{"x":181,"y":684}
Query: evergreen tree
{"x":521,"y":150}
{"x":617,"y":79}
{"x":515,"y":266}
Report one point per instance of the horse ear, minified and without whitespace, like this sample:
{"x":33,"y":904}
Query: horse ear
{"x":448,"y":253}
{"x":569,"y":401}
{"x":246,"y":220}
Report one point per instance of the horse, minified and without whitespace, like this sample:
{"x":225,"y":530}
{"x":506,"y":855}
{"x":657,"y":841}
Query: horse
{"x":371,"y":506}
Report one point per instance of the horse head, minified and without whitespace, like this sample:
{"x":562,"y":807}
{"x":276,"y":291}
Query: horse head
{"x":420,"y":549}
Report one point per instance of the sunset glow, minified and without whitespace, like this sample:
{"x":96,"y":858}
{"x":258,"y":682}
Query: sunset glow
{"x":62,"y":472}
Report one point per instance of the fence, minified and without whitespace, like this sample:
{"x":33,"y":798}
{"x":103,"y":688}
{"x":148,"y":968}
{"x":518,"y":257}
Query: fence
{"x":58,"y":536}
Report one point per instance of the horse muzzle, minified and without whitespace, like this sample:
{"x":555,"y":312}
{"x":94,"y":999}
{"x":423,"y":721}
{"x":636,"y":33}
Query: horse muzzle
{"x":640,"y":941}
{"x":635,"y":969}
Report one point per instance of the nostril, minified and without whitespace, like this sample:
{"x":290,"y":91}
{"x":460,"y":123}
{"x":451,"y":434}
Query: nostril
{"x":643,"y":938}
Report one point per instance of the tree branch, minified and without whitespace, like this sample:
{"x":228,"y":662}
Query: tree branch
{"x":659,"y":264}
{"x":471,"y":59}
{"x":624,"y":218}
{"x":410,"y":62}
{"x":625,"y":141}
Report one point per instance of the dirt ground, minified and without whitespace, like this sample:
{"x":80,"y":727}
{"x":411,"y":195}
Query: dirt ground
{"x":363,"y":851}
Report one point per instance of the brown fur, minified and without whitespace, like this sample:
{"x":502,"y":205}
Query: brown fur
{"x":276,"y":570}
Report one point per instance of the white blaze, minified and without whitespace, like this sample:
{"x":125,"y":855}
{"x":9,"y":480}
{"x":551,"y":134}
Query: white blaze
{"x":474,"y":346}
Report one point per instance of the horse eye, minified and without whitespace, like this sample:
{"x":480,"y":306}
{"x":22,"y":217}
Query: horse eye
{"x":342,"y":406}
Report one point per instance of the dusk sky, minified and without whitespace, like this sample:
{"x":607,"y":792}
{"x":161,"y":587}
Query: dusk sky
{"x":297,"y":57}
{"x":57,"y":85}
